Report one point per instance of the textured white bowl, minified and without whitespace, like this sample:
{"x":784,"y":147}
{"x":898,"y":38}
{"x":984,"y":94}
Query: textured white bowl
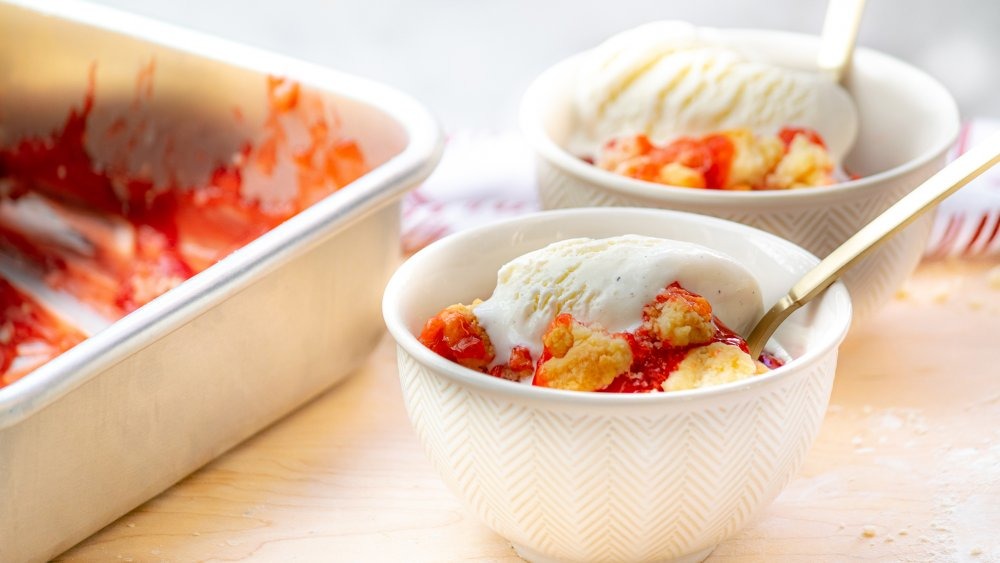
{"x":573,"y":476}
{"x":907,"y":123}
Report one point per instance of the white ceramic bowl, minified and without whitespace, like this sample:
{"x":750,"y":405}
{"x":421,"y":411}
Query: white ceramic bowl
{"x":575,"y":476}
{"x":907,"y":123}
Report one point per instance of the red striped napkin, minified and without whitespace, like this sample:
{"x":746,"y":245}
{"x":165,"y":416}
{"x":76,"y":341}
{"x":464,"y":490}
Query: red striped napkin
{"x":968,"y":222}
{"x":484,"y":176}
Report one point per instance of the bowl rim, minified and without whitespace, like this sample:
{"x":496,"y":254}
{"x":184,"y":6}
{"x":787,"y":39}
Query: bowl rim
{"x":408,"y":342}
{"x":529,"y":117}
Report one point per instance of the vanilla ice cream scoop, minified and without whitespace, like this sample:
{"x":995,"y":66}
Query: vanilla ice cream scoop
{"x":608,"y":282}
{"x":669,"y":78}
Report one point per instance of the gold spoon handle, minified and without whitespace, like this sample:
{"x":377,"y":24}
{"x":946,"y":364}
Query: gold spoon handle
{"x":891,"y":221}
{"x":840,"y":30}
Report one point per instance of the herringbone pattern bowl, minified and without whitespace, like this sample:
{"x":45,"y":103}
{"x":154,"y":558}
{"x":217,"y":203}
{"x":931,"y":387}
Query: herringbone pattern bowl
{"x":907,"y":122}
{"x":570,"y":476}
{"x":641,"y":482}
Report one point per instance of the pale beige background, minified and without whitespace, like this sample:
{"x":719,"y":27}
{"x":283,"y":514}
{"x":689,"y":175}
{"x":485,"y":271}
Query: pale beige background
{"x":468,"y":60}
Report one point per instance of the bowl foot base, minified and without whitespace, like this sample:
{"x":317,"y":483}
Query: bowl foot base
{"x":533,"y":556}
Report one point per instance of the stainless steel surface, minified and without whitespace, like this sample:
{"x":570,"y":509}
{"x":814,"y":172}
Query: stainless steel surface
{"x":136,"y":407}
{"x":889,"y":223}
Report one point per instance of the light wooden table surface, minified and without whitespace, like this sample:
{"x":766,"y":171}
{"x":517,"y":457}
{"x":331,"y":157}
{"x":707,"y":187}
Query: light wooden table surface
{"x":906,"y":466}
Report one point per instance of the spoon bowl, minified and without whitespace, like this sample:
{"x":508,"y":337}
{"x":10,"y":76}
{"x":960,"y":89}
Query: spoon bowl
{"x":559,"y":473}
{"x":907,"y":123}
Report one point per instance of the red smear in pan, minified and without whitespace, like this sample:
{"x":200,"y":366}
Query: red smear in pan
{"x":174,"y":231}
{"x":25,"y":323}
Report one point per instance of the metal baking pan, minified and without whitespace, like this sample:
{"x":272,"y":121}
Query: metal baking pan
{"x":160,"y":392}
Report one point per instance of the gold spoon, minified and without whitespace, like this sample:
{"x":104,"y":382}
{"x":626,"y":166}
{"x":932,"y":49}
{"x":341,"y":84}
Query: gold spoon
{"x":891,"y":221}
{"x":840,"y":31}
{"x":833,"y":60}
